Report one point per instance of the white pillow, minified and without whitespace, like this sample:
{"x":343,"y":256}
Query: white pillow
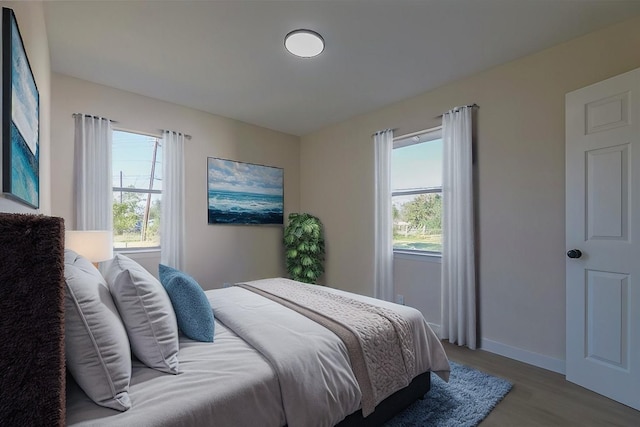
{"x":96,"y":344}
{"x":147,"y":313}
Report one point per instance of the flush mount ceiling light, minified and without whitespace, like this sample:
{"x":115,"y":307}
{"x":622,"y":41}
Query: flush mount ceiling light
{"x":304,"y":43}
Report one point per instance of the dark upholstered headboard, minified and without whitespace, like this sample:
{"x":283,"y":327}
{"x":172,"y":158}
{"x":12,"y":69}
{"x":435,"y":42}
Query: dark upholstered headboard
{"x":32,"y":372}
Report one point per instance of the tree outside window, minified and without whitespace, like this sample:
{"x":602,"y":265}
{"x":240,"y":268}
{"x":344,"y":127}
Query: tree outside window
{"x":137,"y":190}
{"x":416,"y":181}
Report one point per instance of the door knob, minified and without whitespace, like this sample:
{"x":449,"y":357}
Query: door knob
{"x":574,"y":253}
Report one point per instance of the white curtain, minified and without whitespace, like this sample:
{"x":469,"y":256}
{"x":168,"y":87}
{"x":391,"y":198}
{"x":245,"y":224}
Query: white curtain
{"x":92,"y":166}
{"x":458,"y":253}
{"x":172,"y":220}
{"x":383,"y":244}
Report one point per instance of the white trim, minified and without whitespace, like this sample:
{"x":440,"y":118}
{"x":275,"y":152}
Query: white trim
{"x":140,"y":252}
{"x":136,"y":190}
{"x":435,"y":257}
{"x":412,"y":191}
{"x":137,"y":132}
{"x":526,"y":356}
{"x":418,"y":133}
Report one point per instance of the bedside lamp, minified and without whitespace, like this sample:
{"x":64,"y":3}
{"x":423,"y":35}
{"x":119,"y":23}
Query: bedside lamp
{"x":95,"y":245}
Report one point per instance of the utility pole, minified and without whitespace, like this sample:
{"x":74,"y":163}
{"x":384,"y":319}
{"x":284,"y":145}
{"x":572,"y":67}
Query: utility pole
{"x":148,"y":205}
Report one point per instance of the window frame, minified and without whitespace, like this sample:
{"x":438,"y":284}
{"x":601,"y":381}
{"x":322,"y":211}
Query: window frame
{"x":148,"y":192}
{"x":407,"y":140}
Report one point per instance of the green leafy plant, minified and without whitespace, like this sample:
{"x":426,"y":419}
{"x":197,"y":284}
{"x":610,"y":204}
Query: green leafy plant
{"x":304,"y":247}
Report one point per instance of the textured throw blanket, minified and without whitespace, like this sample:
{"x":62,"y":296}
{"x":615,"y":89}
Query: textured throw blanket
{"x":378,"y":340}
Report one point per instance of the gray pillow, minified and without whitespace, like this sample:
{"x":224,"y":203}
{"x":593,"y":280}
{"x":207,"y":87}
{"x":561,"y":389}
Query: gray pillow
{"x":96,"y":344}
{"x":147,"y":313}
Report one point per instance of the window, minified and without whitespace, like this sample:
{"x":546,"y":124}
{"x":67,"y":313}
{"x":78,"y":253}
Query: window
{"x":137,"y":190}
{"x":416,"y":192}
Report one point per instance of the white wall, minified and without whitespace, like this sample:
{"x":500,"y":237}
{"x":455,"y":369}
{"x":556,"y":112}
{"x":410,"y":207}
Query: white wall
{"x":215,"y":253}
{"x":30,"y":18}
{"x":520,"y":170}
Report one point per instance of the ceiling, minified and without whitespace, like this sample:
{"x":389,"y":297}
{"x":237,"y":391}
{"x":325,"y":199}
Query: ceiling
{"x":228,"y":57}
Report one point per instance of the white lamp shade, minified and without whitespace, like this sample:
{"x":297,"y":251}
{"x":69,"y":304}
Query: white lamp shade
{"x":95,"y":245}
{"x":304,"y":43}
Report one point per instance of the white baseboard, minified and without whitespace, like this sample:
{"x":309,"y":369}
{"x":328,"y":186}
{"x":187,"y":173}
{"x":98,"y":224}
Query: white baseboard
{"x":526,"y":356}
{"x":515,"y":353}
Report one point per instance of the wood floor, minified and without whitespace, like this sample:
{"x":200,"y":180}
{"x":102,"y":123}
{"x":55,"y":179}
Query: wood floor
{"x":542,"y":398}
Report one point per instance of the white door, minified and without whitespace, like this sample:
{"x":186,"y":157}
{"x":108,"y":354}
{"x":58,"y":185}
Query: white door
{"x":603,"y":223}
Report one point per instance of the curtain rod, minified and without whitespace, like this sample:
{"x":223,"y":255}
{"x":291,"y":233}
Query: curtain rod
{"x":187,"y":136}
{"x":474,"y":105}
{"x":383,"y":130}
{"x":456,"y":109}
{"x":114,"y":121}
{"x":91,"y":115}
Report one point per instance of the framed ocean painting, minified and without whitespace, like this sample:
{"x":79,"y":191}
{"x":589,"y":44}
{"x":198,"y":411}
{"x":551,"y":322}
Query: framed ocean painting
{"x":244,"y":193}
{"x":20,"y":118}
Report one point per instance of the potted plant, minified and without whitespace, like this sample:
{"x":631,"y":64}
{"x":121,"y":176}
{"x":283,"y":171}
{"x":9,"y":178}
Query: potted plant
{"x":304,"y":247}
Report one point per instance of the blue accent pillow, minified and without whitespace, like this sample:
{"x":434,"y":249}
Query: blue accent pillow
{"x":192,"y":308}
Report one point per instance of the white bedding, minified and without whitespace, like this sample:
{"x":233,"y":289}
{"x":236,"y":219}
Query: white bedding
{"x":304,"y":378}
{"x":312,"y":364}
{"x":379,"y":341}
{"x":226,"y":383}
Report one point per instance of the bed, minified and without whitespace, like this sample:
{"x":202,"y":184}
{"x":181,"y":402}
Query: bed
{"x":272,"y":365}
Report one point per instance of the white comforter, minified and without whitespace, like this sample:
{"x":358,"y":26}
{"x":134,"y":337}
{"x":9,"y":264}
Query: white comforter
{"x":223,"y":384}
{"x":269,"y":366}
{"x":317,"y":383}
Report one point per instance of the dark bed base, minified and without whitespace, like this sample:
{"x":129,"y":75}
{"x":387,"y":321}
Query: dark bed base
{"x":32,"y":373}
{"x":392,"y":405}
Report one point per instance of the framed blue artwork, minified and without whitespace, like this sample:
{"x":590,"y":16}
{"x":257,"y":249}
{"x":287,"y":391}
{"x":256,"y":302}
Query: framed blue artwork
{"x":244,"y":193}
{"x":20,"y":118}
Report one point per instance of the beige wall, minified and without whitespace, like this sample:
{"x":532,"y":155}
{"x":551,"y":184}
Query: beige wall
{"x":520,"y":167}
{"x":215,"y":253}
{"x":30,"y":18}
{"x":417,"y":279}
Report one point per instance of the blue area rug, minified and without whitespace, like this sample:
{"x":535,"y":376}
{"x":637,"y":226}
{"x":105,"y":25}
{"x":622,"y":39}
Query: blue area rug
{"x":465,"y":400}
